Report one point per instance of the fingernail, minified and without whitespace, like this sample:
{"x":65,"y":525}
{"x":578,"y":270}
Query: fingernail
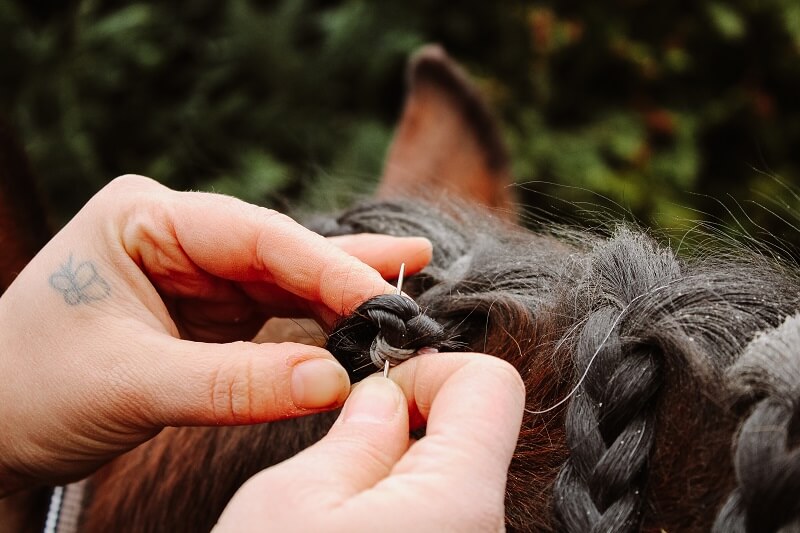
{"x":423,"y":242}
{"x":318,"y":383}
{"x":374,"y":400}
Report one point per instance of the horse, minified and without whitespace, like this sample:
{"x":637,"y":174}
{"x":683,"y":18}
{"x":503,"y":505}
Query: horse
{"x":663,"y":389}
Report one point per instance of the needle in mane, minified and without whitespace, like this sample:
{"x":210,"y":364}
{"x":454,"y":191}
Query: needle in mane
{"x":398,"y":291}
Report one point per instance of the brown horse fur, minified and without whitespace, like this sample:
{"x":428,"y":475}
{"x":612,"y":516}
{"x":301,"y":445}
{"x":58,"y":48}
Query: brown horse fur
{"x":697,"y":325}
{"x":23,"y":226}
{"x":543,"y":302}
{"x":198,"y":469}
{"x":531,"y":299}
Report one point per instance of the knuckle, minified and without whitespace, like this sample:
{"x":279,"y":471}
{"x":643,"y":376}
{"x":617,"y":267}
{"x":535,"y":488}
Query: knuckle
{"x":131,"y":182}
{"x":267,"y":220}
{"x":232,"y":392}
{"x":359,"y":453}
{"x":271,"y":219}
{"x":123,"y":192}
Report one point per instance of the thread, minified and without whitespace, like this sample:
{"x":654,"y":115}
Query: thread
{"x":594,"y":356}
{"x":381,"y":352}
{"x":387,"y":328}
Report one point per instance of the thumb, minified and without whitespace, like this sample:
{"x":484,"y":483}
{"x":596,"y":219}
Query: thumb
{"x":369,"y":437}
{"x":196,"y":383}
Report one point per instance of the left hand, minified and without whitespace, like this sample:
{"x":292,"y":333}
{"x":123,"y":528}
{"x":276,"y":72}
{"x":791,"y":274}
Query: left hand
{"x":99,"y":332}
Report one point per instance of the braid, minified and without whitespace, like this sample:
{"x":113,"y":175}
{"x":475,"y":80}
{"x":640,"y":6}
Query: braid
{"x":767,"y":450}
{"x":387,"y":327}
{"x":610,"y":422}
{"x":610,"y":433}
{"x":643,"y":443}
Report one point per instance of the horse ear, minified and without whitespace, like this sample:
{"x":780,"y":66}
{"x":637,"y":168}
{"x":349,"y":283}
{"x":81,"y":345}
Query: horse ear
{"x":447,"y":139}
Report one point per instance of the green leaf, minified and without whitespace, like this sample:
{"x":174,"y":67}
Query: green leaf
{"x":726,"y":20}
{"x":259,"y":175}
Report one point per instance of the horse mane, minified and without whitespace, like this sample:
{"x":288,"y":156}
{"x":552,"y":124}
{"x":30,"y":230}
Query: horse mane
{"x":663,"y":390}
{"x":650,"y":343}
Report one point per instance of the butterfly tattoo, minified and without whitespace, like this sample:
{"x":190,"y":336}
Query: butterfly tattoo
{"x":79,"y":284}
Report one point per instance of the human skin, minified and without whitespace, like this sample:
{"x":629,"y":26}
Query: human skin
{"x":366,"y":475}
{"x":136,"y":316}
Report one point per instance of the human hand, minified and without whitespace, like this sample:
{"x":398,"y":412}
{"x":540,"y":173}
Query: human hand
{"x":364,"y":476}
{"x":91,"y":356}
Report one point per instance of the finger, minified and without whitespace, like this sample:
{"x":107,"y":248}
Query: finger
{"x":364,"y":474}
{"x":361,"y":448}
{"x":194,"y":383}
{"x":234,"y":240}
{"x":473,"y":405}
{"x":216,"y":320}
{"x":385,"y":253}
{"x":455,"y":476}
{"x":270,"y":246}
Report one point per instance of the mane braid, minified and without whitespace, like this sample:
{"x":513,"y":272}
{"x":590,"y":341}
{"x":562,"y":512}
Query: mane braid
{"x":610,"y":423}
{"x":643,"y":443}
{"x":389,"y":319}
{"x":767,"y":449}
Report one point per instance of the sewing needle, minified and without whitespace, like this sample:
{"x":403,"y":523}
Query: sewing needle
{"x":400,"y":278}
{"x":398,"y":291}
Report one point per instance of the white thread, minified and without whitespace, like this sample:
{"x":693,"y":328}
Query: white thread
{"x":596,"y":352}
{"x":381,"y":351}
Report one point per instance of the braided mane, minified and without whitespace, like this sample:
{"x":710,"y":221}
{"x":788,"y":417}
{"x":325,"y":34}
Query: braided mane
{"x":663,"y":391}
{"x":644,"y":442}
{"x":392,"y":319}
{"x":649,"y":334}
{"x":766,"y":380}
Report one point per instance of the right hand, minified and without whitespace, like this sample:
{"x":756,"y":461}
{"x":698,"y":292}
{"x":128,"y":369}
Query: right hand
{"x":366,"y":475}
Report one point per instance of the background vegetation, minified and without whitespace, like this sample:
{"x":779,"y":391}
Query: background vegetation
{"x":673,"y":110}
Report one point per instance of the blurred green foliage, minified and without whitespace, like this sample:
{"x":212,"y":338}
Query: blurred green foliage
{"x":633,"y":102}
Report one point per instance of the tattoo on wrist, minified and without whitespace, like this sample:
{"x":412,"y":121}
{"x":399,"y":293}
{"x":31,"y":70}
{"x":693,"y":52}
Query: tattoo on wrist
{"x":79,"y":284}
